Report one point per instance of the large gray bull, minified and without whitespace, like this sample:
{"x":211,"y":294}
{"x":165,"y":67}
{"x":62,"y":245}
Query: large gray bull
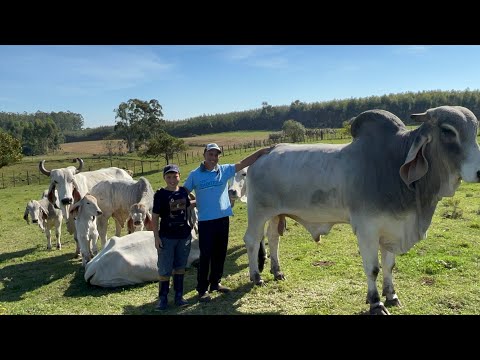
{"x":386,"y":183}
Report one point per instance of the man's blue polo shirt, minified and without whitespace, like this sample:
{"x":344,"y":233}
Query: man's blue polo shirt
{"x":211,"y":190}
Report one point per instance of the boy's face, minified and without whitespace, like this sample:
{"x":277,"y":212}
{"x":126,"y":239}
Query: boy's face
{"x":172,"y":179}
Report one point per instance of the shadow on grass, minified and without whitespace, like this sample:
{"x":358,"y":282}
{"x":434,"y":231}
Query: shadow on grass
{"x":220,"y":304}
{"x":16,"y":254}
{"x":22,"y":278}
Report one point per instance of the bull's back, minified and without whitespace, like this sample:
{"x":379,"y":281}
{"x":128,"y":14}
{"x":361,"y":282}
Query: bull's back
{"x":292,"y":176}
{"x":95,"y":176}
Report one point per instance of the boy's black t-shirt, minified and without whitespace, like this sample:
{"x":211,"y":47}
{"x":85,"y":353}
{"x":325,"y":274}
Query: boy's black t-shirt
{"x":172,"y":208}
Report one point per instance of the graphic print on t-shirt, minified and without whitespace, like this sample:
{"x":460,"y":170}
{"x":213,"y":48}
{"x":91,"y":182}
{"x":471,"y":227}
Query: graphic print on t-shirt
{"x":178,"y":210}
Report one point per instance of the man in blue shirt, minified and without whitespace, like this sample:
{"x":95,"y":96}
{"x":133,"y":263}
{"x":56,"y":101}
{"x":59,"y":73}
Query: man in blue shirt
{"x":210,"y":182}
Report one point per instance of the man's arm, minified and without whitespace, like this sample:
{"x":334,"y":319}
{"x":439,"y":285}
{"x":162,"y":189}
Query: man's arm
{"x":249,"y":160}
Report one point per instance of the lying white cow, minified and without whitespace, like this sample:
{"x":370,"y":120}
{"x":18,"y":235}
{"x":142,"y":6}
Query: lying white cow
{"x":128,"y":260}
{"x":386,"y":183}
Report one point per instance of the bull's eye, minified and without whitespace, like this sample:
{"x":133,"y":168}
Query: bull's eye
{"x":244,"y":174}
{"x":448,"y":133}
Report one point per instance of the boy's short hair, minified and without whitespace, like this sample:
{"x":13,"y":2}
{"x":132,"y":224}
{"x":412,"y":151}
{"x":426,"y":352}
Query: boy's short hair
{"x":171,"y":168}
{"x":212,"y":146}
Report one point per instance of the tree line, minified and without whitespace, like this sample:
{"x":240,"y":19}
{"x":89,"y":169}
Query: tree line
{"x":141,"y":125}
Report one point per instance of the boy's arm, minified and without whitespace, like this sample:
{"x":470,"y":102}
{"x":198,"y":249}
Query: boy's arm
{"x":158,"y":241}
{"x":249,"y":160}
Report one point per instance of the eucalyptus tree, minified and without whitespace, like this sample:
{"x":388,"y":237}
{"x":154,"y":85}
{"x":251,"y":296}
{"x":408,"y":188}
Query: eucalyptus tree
{"x":137,"y":121}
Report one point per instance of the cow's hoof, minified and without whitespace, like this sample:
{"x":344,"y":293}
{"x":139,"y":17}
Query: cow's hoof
{"x":379,"y":309}
{"x":393,"y":302}
{"x":59,"y":247}
{"x":49,"y":248}
{"x":279,"y":276}
{"x":76,"y":256}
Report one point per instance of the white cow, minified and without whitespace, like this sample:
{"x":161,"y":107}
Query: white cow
{"x":130,"y":259}
{"x":47,"y":217}
{"x":85,"y":212}
{"x":124,"y":200}
{"x":73,"y":185}
{"x":386,"y":183}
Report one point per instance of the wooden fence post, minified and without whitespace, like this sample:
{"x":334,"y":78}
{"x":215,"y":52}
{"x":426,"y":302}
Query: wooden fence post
{"x":28,"y":179}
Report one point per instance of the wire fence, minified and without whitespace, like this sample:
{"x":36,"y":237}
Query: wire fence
{"x":29,"y":173}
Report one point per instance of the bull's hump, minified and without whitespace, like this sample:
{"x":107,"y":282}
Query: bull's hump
{"x":376,"y":122}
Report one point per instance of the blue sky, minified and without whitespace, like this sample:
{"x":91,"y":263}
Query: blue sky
{"x":194,"y":80}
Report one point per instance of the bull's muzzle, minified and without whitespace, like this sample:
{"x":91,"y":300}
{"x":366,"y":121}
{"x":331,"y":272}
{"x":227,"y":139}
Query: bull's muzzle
{"x":138,"y":222}
{"x":67,"y":201}
{"x":232,"y":193}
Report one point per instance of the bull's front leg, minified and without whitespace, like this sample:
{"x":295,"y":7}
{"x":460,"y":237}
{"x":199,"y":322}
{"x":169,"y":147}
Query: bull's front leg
{"x":49,"y":238}
{"x":273,"y":242}
{"x":252,"y":244}
{"x":369,"y":246}
{"x":77,"y":244}
{"x":388,"y":262}
{"x":58,"y":234}
{"x":102,"y":225}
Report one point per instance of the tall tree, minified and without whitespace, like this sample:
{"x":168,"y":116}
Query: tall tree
{"x":10,"y":149}
{"x":138,"y":121}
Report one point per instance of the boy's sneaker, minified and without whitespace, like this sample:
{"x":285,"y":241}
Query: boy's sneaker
{"x":204,"y":297}
{"x":220,"y":288}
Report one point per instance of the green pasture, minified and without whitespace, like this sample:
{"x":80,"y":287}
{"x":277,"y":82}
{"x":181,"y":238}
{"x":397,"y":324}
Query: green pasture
{"x":439,"y":275}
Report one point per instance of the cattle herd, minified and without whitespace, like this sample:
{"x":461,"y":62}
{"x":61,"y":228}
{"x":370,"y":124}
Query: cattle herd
{"x":386,"y":184}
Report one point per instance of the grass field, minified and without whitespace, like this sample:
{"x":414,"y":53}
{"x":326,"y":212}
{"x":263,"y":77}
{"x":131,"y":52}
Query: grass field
{"x":439,"y":275}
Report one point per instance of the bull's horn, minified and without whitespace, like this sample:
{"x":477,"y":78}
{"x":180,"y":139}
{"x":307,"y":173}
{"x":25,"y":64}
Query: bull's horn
{"x":80,"y":161}
{"x":423,"y":117}
{"x":41,"y":167}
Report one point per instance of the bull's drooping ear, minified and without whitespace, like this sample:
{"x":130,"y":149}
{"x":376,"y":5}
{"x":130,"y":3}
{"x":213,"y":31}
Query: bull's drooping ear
{"x":243,"y":199}
{"x":25,"y":216}
{"x":44,"y":213}
{"x":423,"y":117}
{"x":75,"y":193}
{"x":148,"y":221}
{"x":51,"y":195}
{"x":415,"y":165}
{"x":130,"y":227}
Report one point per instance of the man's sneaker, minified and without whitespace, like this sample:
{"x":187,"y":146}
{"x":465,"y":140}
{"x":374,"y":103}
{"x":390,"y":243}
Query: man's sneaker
{"x":220,"y":288}
{"x":204,"y":297}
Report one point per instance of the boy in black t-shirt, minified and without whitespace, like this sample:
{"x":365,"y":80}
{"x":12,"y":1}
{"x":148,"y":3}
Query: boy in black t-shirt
{"x":173,"y":240}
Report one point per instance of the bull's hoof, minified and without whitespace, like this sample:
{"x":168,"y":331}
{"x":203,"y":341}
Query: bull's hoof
{"x":279,"y":276}
{"x":76,"y":256}
{"x":257,"y":279}
{"x":379,"y":309}
{"x":59,"y":247}
{"x":393,"y":302}
{"x":49,"y":248}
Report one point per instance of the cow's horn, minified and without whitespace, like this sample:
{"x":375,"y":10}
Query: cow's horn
{"x":41,"y":167}
{"x":423,"y":117}
{"x":80,"y":161}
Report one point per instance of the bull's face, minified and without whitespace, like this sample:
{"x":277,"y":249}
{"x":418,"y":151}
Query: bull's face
{"x":36,"y":212}
{"x":138,"y":218}
{"x":63,"y":181}
{"x":237,"y":189}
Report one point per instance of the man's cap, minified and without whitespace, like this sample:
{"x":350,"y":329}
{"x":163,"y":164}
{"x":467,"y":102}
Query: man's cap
{"x":212,"y":146}
{"x":171,"y":168}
